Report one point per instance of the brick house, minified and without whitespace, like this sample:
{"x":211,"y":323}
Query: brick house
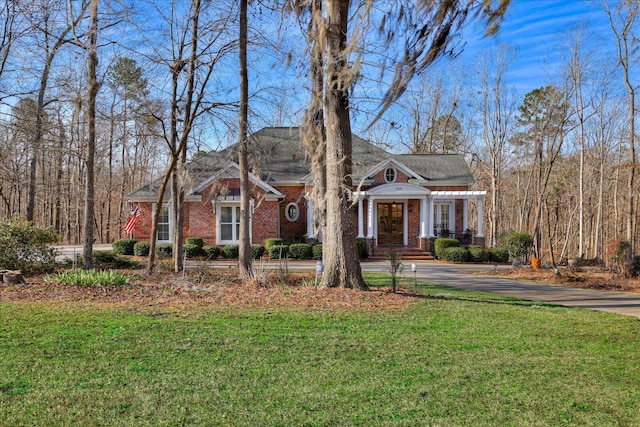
{"x":402,"y":199}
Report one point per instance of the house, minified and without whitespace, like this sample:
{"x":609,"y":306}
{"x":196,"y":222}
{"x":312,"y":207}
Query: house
{"x":402,"y":199}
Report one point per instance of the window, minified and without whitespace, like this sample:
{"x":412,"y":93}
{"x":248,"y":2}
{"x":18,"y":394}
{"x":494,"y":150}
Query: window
{"x":390,"y":174}
{"x":164,"y":229}
{"x":441,"y":218}
{"x":292,"y":212}
{"x":229,"y":223}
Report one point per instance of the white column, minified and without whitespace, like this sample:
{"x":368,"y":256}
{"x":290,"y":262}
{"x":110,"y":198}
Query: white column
{"x":423,"y":217}
{"x":309,"y":217}
{"x":465,"y":215}
{"x":430,"y":218}
{"x":360,"y":218}
{"x":370,"y":219}
{"x":480,"y":234}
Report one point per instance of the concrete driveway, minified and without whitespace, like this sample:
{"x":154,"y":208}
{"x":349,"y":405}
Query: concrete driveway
{"x":459,"y":276}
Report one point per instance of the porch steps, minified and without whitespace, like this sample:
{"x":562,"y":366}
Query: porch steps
{"x":405,"y":253}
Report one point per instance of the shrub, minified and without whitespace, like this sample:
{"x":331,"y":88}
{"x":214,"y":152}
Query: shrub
{"x":211,"y":251}
{"x":273,"y":241}
{"x":257,"y":251}
{"x":164,"y":250}
{"x":317,"y":251}
{"x":278,"y":251}
{"x":195,"y":241}
{"x":518,"y":244}
{"x":361,"y":248}
{"x":123,"y":246}
{"x":141,"y":248}
{"x":443,"y":243}
{"x":498,"y":255}
{"x":91,"y":278}
{"x":476,"y":253}
{"x":24,"y":247}
{"x":455,"y":254}
{"x":191,"y":250}
{"x":104,"y":260}
{"x":231,"y":251}
{"x":300,"y":251}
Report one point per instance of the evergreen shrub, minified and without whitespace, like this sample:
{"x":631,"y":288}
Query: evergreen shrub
{"x":300,"y":251}
{"x":123,"y":246}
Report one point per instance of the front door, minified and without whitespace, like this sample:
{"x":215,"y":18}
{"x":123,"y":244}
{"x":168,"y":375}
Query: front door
{"x":390,"y":224}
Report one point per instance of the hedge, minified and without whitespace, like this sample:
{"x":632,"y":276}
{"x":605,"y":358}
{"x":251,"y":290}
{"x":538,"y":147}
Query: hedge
{"x":141,"y":248}
{"x":257,"y":251}
{"x":317,"y":251}
{"x":211,"y":251}
{"x":273,"y":241}
{"x":231,"y":251}
{"x":194,"y":241}
{"x":300,"y":251}
{"x":123,"y":246}
{"x":278,"y":251}
{"x":443,"y":243}
{"x":191,"y":250}
{"x":476,"y":253}
{"x":164,"y":250}
{"x":498,"y":255}
{"x":455,"y":254}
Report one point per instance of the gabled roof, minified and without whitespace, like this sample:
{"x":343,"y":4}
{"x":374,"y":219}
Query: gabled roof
{"x":277,"y":157}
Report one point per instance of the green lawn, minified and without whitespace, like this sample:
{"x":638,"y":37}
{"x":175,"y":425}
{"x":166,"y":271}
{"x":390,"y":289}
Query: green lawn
{"x":461,"y":359}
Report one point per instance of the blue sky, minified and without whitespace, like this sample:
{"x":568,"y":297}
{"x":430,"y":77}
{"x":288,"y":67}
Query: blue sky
{"x":533,"y":28}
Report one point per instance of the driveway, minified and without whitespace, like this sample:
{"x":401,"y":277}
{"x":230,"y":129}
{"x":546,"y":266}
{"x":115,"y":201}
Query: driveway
{"x":458,"y":276}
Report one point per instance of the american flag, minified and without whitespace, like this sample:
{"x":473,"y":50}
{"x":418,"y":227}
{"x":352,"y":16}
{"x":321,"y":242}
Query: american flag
{"x":128,"y":228}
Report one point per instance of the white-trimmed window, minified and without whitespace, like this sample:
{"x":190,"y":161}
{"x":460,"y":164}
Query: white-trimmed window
{"x":229,"y":223}
{"x":164,"y":224}
{"x":390,"y":174}
{"x":442,"y":217}
{"x":292,"y":212}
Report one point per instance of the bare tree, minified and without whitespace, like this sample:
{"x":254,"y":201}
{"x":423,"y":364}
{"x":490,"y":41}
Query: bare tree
{"x":622,"y":20}
{"x":497,"y":108}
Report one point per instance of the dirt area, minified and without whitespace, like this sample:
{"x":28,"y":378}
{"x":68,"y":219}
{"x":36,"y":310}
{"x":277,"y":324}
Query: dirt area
{"x":207,"y":288}
{"x":579,"y":277}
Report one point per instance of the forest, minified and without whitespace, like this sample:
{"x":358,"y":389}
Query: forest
{"x":99,"y":98}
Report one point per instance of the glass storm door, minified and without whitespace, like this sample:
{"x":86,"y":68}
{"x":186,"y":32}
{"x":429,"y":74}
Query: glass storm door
{"x":390,"y":224}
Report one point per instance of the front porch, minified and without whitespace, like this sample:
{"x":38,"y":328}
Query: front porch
{"x":410,"y":216}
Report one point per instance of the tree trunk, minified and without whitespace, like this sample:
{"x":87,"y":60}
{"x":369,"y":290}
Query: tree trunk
{"x":91,"y":143}
{"x":342,"y":266}
{"x":245,"y":242}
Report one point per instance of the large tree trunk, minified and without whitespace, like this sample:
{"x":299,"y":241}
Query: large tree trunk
{"x":342,"y":266}
{"x":245,"y":242}
{"x":91,"y":143}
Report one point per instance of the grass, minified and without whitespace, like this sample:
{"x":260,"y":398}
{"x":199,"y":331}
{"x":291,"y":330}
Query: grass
{"x":462,"y":358}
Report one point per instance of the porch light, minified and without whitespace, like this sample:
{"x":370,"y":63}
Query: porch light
{"x":213,"y":205}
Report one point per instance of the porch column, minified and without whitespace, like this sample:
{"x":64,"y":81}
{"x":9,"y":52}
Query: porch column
{"x":465,"y":214}
{"x":309,"y":217}
{"x":423,"y":217}
{"x":360,"y":218}
{"x":430,"y":218}
{"x":370,"y":219}
{"x":480,"y":200}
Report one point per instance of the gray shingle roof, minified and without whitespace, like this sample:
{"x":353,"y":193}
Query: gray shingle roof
{"x":278,"y":156}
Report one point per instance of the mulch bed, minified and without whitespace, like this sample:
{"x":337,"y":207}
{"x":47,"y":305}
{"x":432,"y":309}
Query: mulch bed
{"x":218,"y":289}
